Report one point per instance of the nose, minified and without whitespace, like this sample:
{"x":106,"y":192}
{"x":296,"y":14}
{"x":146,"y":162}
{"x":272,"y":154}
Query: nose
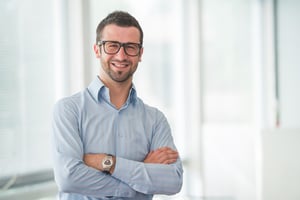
{"x":121,"y":53}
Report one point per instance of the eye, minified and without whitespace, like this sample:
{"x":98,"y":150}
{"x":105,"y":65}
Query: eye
{"x":112,"y":45}
{"x":132,"y":47}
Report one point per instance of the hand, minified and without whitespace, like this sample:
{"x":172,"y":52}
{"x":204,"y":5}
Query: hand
{"x":164,"y":155}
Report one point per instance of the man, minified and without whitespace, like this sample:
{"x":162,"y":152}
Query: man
{"x":108,"y":144}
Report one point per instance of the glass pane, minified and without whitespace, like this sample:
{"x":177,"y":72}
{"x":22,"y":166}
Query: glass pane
{"x":27,"y":85}
{"x":288,"y":62}
{"x":227,"y":81}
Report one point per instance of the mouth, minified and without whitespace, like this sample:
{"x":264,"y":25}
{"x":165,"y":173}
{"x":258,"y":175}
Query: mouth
{"x":120,"y":64}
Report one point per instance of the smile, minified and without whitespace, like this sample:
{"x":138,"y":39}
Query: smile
{"x":120,"y":65}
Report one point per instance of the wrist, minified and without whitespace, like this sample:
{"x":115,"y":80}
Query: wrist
{"x":112,"y":169}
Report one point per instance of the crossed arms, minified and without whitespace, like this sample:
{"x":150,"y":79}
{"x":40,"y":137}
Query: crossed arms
{"x":77,"y":172}
{"x":164,"y":155}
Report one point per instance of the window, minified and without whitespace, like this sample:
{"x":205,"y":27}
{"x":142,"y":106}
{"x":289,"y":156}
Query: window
{"x":27,"y":88}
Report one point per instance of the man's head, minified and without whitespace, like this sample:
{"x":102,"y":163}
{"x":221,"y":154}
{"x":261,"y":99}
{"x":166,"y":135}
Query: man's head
{"x":119,"y":47}
{"x":119,"y":18}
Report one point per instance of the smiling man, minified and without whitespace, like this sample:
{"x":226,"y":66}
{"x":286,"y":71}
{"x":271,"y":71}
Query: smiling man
{"x":108,"y":144}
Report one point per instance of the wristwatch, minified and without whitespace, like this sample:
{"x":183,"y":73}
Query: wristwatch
{"x":107,"y":163}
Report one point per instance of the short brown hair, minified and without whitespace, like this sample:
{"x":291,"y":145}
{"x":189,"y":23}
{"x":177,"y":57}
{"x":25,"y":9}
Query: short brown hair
{"x":119,"y":18}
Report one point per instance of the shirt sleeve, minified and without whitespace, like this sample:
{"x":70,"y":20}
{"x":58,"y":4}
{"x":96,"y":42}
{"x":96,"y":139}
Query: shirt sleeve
{"x":152,"y":178}
{"x":71,"y":174}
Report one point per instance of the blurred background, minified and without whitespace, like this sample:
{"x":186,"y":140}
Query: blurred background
{"x":225,"y":73}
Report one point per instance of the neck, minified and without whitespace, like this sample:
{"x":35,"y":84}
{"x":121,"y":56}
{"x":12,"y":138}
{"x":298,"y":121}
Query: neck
{"x":118,"y":91}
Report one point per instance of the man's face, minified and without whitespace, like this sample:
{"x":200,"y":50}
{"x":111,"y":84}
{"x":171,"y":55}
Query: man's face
{"x":118,"y":67}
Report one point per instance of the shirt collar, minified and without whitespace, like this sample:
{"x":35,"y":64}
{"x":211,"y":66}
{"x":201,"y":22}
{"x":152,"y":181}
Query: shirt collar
{"x":97,"y":88}
{"x":133,"y":94}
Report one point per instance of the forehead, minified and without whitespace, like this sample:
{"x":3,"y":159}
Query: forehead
{"x":121,"y":34}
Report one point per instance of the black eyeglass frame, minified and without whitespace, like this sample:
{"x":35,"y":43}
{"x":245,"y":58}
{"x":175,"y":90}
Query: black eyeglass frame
{"x":124,"y":45}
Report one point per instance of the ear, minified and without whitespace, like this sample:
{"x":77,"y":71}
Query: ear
{"x":97,"y":51}
{"x":141,"y":53}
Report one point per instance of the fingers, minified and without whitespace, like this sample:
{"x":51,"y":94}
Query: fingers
{"x":164,"y":155}
{"x":168,"y":156}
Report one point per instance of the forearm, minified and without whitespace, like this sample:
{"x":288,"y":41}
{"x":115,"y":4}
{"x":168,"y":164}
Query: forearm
{"x":150,"y":178}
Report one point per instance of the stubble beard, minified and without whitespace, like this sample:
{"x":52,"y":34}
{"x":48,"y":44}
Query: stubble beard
{"x":116,"y":75}
{"x":120,"y":76}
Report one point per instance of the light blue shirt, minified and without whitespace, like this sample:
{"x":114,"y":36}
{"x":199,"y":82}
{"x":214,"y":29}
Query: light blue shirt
{"x":88,"y":122}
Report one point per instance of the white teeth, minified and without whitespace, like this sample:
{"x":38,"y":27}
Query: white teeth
{"x":120,"y":65}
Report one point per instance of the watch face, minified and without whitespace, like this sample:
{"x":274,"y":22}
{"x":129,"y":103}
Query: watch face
{"x":107,"y":162}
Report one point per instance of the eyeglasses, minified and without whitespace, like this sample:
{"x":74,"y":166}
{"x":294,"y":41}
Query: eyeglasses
{"x":113,"y":47}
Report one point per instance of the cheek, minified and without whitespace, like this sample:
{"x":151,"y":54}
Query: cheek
{"x":103,"y":62}
{"x":104,"y":58}
{"x":135,"y":66}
